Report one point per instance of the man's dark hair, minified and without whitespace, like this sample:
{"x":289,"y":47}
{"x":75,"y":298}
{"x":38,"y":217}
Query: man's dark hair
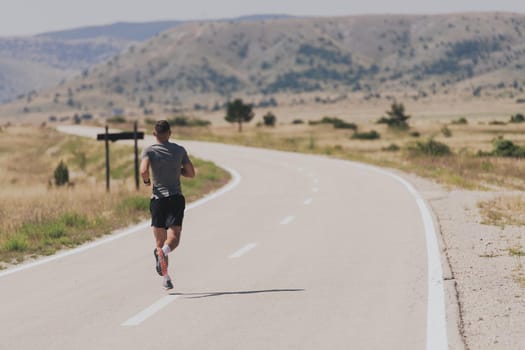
{"x":162,"y":127}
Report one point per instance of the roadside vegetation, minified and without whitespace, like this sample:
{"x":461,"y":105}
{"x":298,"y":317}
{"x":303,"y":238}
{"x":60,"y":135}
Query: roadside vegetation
{"x":456,"y":151}
{"x":503,"y":211}
{"x":43,"y":210}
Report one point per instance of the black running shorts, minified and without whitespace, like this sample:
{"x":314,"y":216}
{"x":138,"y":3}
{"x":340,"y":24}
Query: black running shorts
{"x":167,"y":212}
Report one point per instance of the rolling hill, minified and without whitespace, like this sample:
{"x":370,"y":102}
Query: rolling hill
{"x":131,"y":31}
{"x":33,"y":63}
{"x":59,"y":55}
{"x":203,"y":64}
{"x":119,"y":31}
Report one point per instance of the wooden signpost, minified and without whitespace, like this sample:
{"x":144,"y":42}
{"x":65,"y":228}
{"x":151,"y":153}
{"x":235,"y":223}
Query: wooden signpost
{"x":133,"y":135}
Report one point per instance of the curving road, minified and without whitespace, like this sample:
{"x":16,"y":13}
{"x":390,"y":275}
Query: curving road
{"x":298,"y":252}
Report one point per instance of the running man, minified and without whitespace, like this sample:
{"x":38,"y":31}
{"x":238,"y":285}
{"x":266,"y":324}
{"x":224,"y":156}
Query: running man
{"x":168,"y":161}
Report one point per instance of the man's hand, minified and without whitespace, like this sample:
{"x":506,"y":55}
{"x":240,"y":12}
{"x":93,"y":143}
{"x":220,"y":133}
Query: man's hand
{"x":147,"y":182}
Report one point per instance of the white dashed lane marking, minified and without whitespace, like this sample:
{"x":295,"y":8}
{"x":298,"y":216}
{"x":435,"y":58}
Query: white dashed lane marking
{"x":150,"y":311}
{"x":243,"y":251}
{"x":287,"y":220}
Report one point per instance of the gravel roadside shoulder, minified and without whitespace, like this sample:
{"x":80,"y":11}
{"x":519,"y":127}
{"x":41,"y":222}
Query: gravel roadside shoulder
{"x":484,"y":275}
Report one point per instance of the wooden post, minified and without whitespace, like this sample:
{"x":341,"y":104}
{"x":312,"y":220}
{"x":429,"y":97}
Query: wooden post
{"x":127,"y":135}
{"x":136,"y":157}
{"x":107,"y":159}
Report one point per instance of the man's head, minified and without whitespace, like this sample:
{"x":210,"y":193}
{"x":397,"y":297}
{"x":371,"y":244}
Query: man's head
{"x":162,"y":130}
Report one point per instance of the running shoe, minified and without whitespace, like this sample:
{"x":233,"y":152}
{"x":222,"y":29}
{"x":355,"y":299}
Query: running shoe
{"x":161,"y":262}
{"x":167,"y":284}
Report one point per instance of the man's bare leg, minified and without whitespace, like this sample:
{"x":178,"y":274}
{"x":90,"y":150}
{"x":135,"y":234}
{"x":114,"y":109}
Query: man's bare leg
{"x":160,"y":234}
{"x":161,"y":266}
{"x":166,"y":241}
{"x":173,"y":237}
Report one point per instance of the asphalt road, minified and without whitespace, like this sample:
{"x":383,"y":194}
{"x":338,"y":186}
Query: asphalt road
{"x":299,"y":252}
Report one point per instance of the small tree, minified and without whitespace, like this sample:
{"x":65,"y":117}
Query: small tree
{"x":61,"y":174}
{"x":397,"y":119}
{"x":518,"y":118}
{"x":269,"y":119}
{"x":238,"y":112}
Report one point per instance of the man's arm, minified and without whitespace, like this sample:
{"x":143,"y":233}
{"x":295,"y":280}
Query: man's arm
{"x":144,"y":171}
{"x":187,"y":170}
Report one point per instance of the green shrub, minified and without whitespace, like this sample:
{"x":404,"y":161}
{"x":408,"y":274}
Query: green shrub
{"x":178,"y":121}
{"x":497,"y":122}
{"x":506,"y":148}
{"x":61,"y":174}
{"x":269,"y":119}
{"x":446,"y":131}
{"x":344,"y":125}
{"x":518,"y":118}
{"x":460,"y":121}
{"x":72,"y":219}
{"x":415,"y":134}
{"x":392,"y":148}
{"x":182,"y":121}
{"x":53,"y":230}
{"x":199,"y":122}
{"x":297,"y":121}
{"x":16,"y":244}
{"x":118,"y":119}
{"x":335,"y":122}
{"x":370,"y":135}
{"x":330,"y":120}
{"x":431,"y":148}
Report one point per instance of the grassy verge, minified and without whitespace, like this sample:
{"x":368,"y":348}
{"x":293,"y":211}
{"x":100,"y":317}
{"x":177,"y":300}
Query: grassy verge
{"x":38,"y":218}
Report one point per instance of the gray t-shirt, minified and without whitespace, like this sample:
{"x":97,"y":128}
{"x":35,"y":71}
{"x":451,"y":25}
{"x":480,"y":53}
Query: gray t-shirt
{"x":166,"y":160}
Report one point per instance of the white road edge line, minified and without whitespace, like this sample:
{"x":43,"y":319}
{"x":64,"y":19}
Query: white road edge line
{"x":150,"y":311}
{"x":234,"y":182}
{"x":308,"y":201}
{"x":243,"y":251}
{"x":287,"y":220}
{"x":436,"y":314}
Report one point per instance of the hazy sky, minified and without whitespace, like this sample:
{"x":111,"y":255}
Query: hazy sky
{"x":22,"y":17}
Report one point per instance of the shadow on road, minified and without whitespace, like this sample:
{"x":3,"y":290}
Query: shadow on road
{"x":216,"y":294}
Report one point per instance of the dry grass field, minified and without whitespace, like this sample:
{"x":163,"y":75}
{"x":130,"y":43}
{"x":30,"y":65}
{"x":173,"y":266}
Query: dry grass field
{"x":38,"y":218}
{"x":468,"y":130}
{"x":466,"y":126}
